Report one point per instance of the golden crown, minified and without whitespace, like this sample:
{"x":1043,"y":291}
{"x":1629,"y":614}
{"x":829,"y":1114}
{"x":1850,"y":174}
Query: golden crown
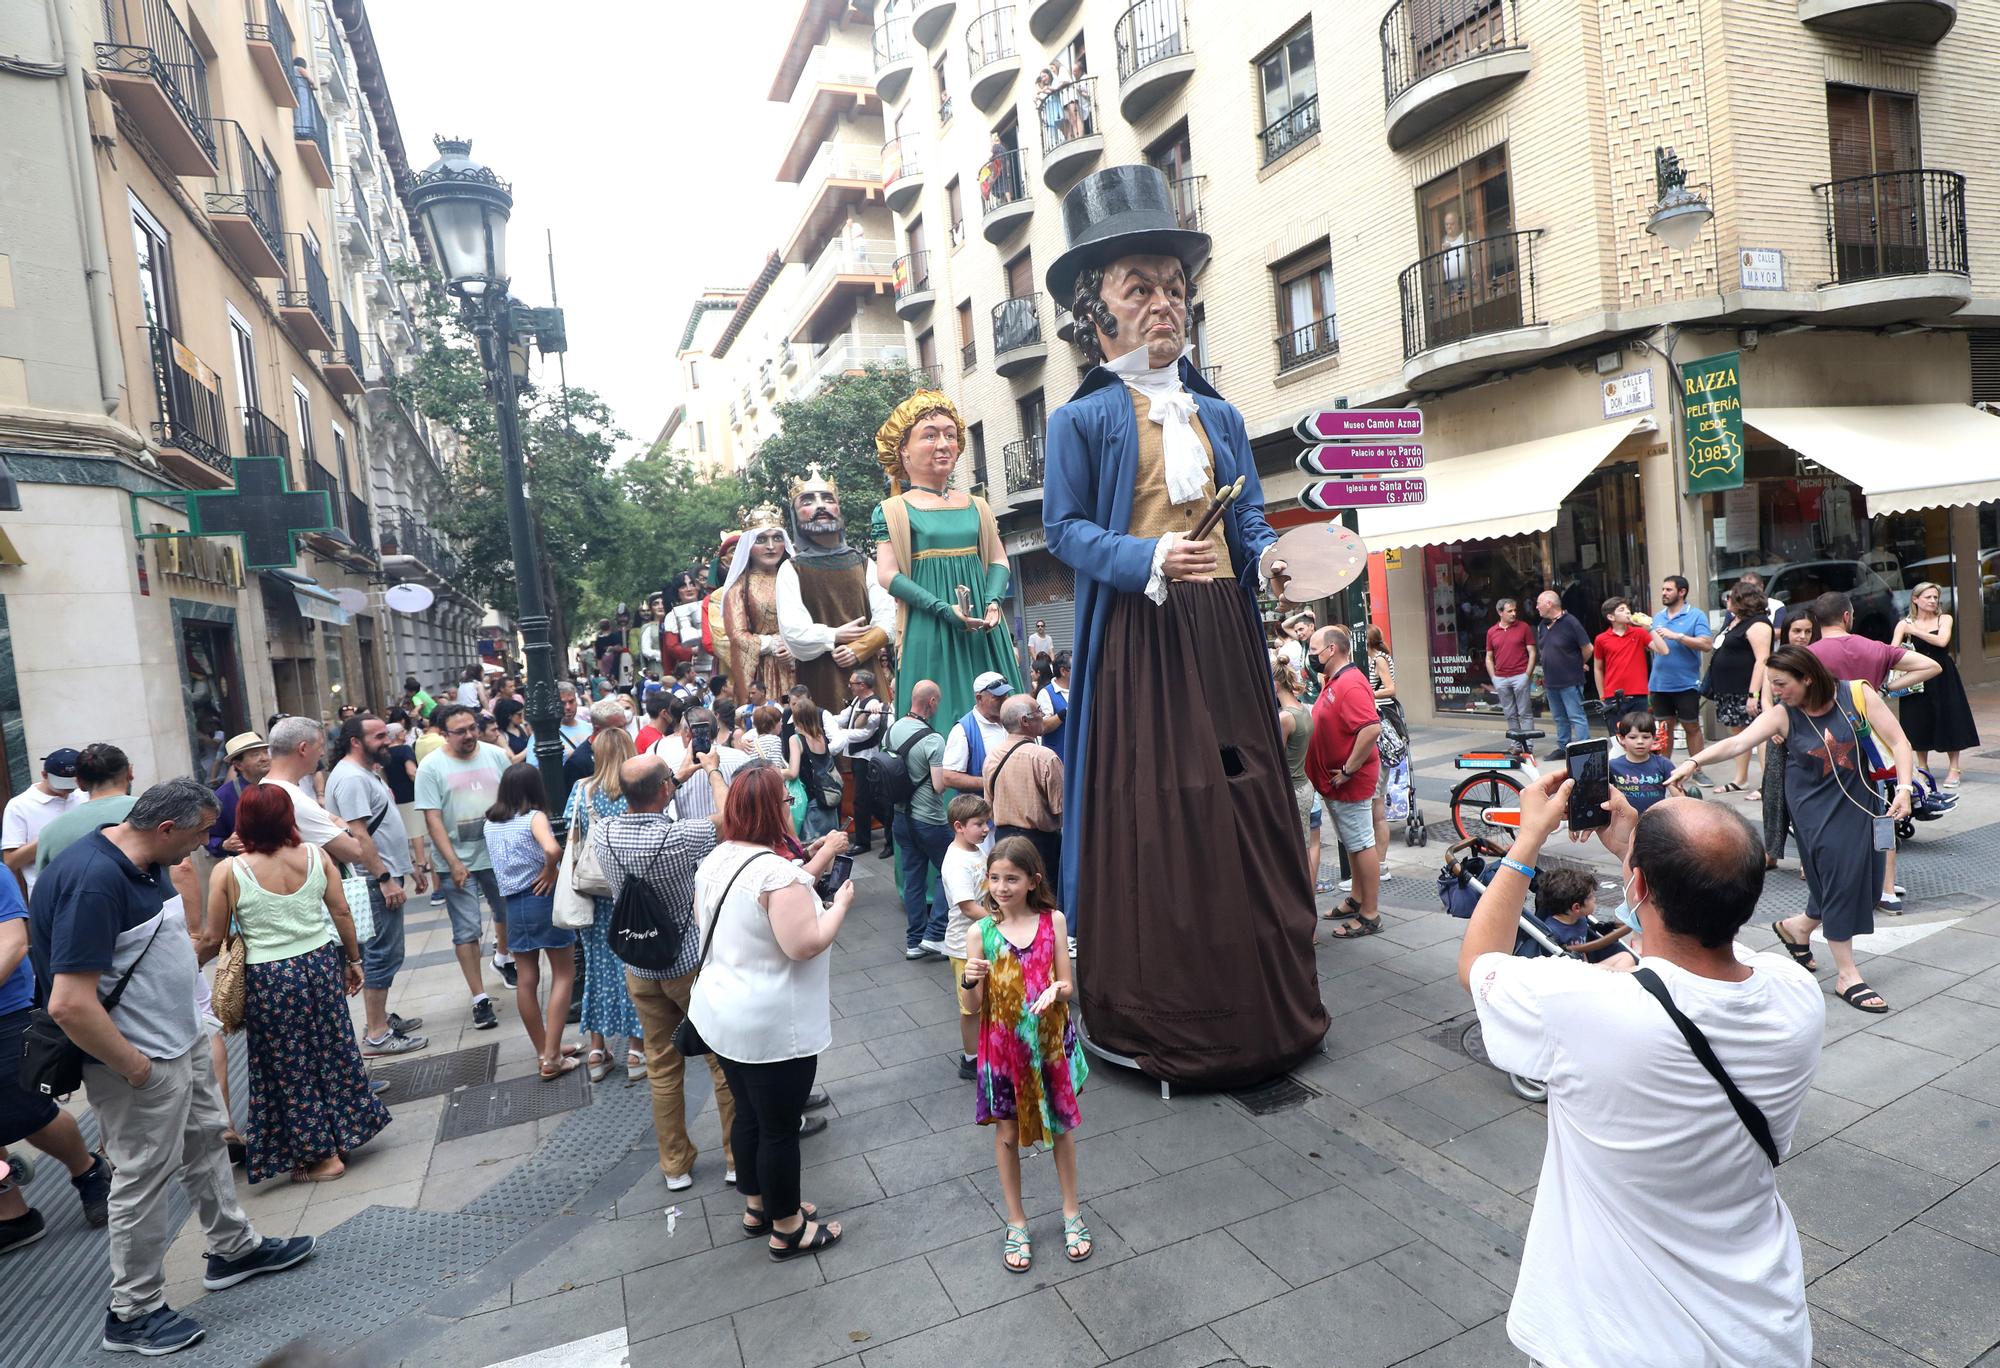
{"x":763,"y":516}
{"x":815,"y":480}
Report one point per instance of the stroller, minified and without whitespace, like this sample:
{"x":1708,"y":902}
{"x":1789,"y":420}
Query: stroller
{"x":1928,"y":802}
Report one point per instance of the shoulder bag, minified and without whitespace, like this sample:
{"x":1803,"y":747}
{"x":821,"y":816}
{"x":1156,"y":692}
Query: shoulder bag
{"x":686,"y":1038}
{"x":230,"y":995}
{"x":589,"y":875}
{"x":573,"y":910}
{"x":51,"y":1063}
{"x":1753,"y":1119}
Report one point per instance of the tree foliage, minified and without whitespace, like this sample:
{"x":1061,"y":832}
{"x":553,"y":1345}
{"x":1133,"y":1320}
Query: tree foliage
{"x":666,"y":518}
{"x":835,"y":428}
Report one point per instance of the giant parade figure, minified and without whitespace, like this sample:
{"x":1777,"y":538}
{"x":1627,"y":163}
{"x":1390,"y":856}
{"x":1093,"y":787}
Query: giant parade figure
{"x":742,"y":625}
{"x":832,"y":612}
{"x":1183,"y":866}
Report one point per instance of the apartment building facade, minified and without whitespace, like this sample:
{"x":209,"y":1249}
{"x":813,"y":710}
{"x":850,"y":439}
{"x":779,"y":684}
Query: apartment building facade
{"x":1445,"y":204}
{"x":177,"y":296}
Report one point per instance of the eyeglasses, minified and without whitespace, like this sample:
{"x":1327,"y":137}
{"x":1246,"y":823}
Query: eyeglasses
{"x":461,"y":731}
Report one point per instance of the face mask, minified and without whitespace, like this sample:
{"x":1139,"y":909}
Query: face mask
{"x":1626,"y":889}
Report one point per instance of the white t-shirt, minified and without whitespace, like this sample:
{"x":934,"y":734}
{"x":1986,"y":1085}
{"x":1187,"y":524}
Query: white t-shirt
{"x":468,"y":695}
{"x":1652,"y":1189}
{"x":316,"y":825}
{"x":28,"y":812}
{"x":1038,"y":644}
{"x":957,"y":752}
{"x":963,"y":874}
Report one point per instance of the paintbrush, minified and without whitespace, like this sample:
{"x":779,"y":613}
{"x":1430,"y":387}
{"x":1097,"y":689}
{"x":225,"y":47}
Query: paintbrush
{"x":1217,"y":506}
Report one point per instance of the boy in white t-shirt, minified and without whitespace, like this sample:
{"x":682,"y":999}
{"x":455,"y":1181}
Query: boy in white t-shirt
{"x":963,"y":874}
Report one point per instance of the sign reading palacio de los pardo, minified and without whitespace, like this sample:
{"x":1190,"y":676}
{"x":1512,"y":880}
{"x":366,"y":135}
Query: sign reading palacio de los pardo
{"x":1712,"y":412}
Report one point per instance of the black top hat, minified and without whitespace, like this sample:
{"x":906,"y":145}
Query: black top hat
{"x":1121,"y":211}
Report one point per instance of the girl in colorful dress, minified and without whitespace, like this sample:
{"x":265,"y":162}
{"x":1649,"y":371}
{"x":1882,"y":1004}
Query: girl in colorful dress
{"x":1019,"y":982}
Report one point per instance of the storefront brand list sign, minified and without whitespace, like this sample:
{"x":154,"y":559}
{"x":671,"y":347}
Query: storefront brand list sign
{"x":1362,"y":458}
{"x":1712,"y":410}
{"x":1386,"y":492}
{"x":1350,"y":425}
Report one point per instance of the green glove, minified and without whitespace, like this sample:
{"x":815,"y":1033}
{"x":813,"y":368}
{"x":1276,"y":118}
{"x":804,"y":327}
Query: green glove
{"x":922,"y":599}
{"x":997,"y":578}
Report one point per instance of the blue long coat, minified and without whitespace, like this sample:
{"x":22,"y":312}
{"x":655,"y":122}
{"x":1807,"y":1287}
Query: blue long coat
{"x":1093,"y":456}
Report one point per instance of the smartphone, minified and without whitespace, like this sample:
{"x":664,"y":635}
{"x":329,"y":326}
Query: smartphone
{"x":1885,"y":833}
{"x":838,"y":873}
{"x":703,"y":734}
{"x":1590,"y":766}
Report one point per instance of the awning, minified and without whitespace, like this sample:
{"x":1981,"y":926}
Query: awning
{"x":1505,"y":492}
{"x":1905,"y":457}
{"x":314,"y":600}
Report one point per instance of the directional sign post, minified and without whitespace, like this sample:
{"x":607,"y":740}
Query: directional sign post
{"x":1360,"y":425}
{"x":1333,"y":495}
{"x":1343,"y":459}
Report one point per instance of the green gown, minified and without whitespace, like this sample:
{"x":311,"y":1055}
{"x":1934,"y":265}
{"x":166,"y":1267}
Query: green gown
{"x":935,"y":650}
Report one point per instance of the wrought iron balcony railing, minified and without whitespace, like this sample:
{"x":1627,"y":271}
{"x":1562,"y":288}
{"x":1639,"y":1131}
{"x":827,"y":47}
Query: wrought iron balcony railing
{"x":324,"y":481}
{"x":262,"y":436}
{"x":1423,"y":37}
{"x":1290,"y":129}
{"x":360,"y":530}
{"x":990,"y":39}
{"x":1068,"y":112}
{"x":1186,"y":195}
{"x":189,"y":396}
{"x":309,"y":123}
{"x":147,"y":39}
{"x":1316,"y":341}
{"x":891,"y":42}
{"x":305,"y":282}
{"x":247,"y":187}
{"x":1022,"y":461}
{"x":1017,"y":323}
{"x":405,"y":534}
{"x":901,"y":157}
{"x":1150,"y":31}
{"x":1894,"y":223}
{"x":1468,"y":289}
{"x":1002,"y":181}
{"x":913,"y":274}
{"x":275,"y":30}
{"x":350,"y":341}
{"x":968,"y":356}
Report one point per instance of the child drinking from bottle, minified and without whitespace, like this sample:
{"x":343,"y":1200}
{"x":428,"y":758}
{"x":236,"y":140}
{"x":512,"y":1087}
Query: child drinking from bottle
{"x":1031,"y":1063}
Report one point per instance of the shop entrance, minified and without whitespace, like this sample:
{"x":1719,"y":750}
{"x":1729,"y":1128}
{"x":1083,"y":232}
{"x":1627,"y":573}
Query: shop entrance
{"x":212,"y":684}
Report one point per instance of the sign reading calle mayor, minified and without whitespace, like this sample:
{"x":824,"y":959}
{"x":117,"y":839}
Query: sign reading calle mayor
{"x":1712,"y":411}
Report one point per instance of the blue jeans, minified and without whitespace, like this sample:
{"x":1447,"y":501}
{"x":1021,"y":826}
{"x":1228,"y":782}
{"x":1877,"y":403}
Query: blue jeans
{"x":1567,"y":706}
{"x":382,"y":956}
{"x":920,"y":848}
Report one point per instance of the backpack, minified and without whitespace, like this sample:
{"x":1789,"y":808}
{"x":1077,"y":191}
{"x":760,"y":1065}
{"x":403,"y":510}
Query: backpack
{"x":822,"y":777}
{"x":889,"y":776}
{"x":644,"y":932}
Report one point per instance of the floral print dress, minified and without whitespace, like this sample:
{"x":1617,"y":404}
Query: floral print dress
{"x":607,"y":1008}
{"x":1029,"y":1067}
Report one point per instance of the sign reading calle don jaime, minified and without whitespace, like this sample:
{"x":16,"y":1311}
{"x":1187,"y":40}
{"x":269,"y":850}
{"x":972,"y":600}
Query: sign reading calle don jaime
{"x":1712,"y":414}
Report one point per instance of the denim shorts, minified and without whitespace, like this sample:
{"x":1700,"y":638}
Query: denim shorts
{"x":1354,"y":823}
{"x":462,"y":904}
{"x":382,"y":956}
{"x":531,"y":924}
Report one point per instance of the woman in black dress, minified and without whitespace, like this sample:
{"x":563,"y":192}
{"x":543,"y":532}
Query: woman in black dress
{"x":1940,"y":717}
{"x":1736,"y":674}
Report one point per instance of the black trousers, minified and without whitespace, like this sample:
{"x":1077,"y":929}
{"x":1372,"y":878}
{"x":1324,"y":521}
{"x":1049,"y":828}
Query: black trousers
{"x":1048,"y":844}
{"x":864,"y":807}
{"x":764,"y":1142}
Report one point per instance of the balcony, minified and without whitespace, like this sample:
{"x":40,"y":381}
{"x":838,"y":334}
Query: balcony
{"x":851,"y":354}
{"x":1018,"y":343}
{"x":1290,"y":129}
{"x":271,"y":52}
{"x":1071,"y":136}
{"x":843,"y":178}
{"x":153,"y":69}
{"x":914,"y":290}
{"x":1186,"y":196}
{"x":1921,"y":22}
{"x":1046,"y":17}
{"x":1154,"y":59}
{"x":1470,"y":309}
{"x":928,"y":21}
{"x":991,"y":53}
{"x":243,"y":207}
{"x":378,"y":363}
{"x":1213,"y":375}
{"x":895,"y":58}
{"x":968,"y":356}
{"x":305,"y":305}
{"x":327,"y":30}
{"x":1022,"y":462}
{"x":189,"y":398}
{"x":1442,"y":57}
{"x":1003,"y":197}
{"x":1065,"y":324}
{"x":342,"y":368}
{"x":351,"y":216}
{"x":410,"y":541}
{"x":323,"y":481}
{"x":832,"y":85}
{"x":902,"y":172}
{"x":309,"y":136}
{"x":263,"y":437}
{"x":849,"y":267}
{"x":1316,"y":341}
{"x":360,"y":528}
{"x":1896,"y":247}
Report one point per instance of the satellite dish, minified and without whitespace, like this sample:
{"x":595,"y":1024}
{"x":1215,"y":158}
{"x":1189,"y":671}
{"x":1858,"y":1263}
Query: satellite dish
{"x":1321,"y":558}
{"x":353,"y":600}
{"x":409,"y":598}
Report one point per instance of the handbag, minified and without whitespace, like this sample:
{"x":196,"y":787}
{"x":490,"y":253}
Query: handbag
{"x":1746,"y":1110}
{"x":229,"y":997}
{"x":573,"y":911}
{"x":52,"y":1063}
{"x":588,"y":877}
{"x":359,"y":890}
{"x":686,"y":1038}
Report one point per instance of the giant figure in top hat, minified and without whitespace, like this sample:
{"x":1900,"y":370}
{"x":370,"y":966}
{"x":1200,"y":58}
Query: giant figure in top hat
{"x":833,"y":614}
{"x":1183,"y":868}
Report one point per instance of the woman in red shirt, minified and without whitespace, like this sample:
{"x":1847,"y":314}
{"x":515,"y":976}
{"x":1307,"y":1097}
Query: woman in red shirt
{"x":1619,"y":657}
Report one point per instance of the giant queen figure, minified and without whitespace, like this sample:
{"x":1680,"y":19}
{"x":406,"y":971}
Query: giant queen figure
{"x":1183,"y":867}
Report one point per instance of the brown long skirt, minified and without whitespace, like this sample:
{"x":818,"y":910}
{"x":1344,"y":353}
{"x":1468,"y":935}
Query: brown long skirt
{"x":1197,"y":959}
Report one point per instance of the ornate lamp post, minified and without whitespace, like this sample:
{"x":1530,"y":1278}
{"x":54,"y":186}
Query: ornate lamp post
{"x":1679,"y":214}
{"x":464,"y":208}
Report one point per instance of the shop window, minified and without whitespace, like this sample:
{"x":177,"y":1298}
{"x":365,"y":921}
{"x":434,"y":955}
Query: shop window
{"x":1470,"y":273}
{"x":1306,"y":327}
{"x":1290,"y":88}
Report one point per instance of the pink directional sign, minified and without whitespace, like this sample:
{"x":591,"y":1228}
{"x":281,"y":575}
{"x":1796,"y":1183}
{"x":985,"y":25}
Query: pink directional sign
{"x":1343,"y":459}
{"x":1338,"y":425}
{"x":1379,"y":493}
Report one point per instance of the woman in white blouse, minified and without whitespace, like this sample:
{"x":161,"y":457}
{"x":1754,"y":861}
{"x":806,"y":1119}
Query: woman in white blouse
{"x":760,"y":999}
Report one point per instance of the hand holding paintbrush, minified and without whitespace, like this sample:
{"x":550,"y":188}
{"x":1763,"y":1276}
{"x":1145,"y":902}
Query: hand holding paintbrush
{"x":1217,"y":506}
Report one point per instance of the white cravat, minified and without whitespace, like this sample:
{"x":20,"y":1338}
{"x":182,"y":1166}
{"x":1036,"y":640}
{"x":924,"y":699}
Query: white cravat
{"x":1173,"y":408}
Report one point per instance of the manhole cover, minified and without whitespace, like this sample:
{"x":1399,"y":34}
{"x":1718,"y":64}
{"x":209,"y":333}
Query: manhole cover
{"x":410,"y":1079}
{"x":488,"y":1107}
{"x":1280,"y":1094}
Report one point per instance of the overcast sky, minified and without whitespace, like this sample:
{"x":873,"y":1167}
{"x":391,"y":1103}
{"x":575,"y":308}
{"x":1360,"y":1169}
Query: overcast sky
{"x":636,"y":130}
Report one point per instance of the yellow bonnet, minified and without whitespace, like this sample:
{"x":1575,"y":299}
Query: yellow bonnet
{"x":889,"y":437}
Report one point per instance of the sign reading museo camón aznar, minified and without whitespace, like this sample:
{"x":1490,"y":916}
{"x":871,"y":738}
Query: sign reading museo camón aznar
{"x":1712,"y":406}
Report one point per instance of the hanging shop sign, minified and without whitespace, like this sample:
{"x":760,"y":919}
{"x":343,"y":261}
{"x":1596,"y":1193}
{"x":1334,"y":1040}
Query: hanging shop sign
{"x":262,"y":509}
{"x":1712,"y":417}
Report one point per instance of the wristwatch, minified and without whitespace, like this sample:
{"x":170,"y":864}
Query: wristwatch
{"x":384,"y":877}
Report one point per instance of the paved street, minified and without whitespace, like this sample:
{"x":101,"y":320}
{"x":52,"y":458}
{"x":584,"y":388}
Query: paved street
{"x":1377,"y":1220}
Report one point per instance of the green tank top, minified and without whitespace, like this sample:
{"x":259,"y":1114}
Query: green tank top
{"x":278,"y":926}
{"x":1302,"y":735}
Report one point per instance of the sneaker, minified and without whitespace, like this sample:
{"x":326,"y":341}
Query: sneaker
{"x":508,"y":973}
{"x":25,"y":1230}
{"x":404,"y":1025}
{"x":272,"y":1256}
{"x":93,"y":1189}
{"x":729,"y":1177}
{"x":1345,"y":885}
{"x":811,"y":1125}
{"x":680,"y":1182}
{"x":915,"y":952}
{"x":484,"y":1018}
{"x":378,"y":1086}
{"x":394,"y":1043}
{"x":437,"y":898}
{"x":968,"y":1068}
{"x":931,"y":947}
{"x":165,"y":1331}
{"x":816,"y":1099}
{"x":1323,"y":887}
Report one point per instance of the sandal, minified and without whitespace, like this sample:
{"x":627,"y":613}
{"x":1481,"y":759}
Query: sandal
{"x":1852,"y":997}
{"x":635,"y":1066}
{"x":1802,"y":955}
{"x":1348,"y":908}
{"x":1731,"y":787}
{"x":791,"y":1246}
{"x":1017,"y":1247}
{"x":560,"y":1065}
{"x":600,"y":1065}
{"x":1076,"y":1235}
{"x":755,"y":1223}
{"x":1359,"y":927}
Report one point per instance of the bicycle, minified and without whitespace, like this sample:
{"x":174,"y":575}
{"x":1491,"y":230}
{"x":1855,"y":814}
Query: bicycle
{"x":1487,"y":803}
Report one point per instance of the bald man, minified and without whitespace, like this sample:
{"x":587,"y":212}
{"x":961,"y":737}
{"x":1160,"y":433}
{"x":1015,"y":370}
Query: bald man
{"x":923,"y":832}
{"x":1564,"y":645}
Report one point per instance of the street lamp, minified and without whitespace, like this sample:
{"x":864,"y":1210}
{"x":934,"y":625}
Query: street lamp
{"x":464,"y":208}
{"x":1680,"y":214}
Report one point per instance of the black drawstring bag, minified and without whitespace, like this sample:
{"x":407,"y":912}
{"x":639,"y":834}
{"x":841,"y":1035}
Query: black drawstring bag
{"x":51,"y":1063}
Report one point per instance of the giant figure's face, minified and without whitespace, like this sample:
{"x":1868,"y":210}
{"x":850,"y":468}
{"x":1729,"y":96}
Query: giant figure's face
{"x":768,"y":549}
{"x":930,"y":450}
{"x":1147,"y":296}
{"x":818,"y":514}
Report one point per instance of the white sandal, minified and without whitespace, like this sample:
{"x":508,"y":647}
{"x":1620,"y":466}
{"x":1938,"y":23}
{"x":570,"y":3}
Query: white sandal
{"x":600,"y":1065}
{"x":635,"y":1066}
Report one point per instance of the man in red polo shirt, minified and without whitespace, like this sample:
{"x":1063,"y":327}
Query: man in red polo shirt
{"x":1342,"y":764}
{"x":1620,"y":657}
{"x":1510,"y":662}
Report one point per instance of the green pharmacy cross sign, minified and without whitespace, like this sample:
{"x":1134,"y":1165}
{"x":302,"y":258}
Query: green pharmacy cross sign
{"x":263,"y":509}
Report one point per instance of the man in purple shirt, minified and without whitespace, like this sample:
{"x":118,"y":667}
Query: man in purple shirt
{"x":249,"y":761}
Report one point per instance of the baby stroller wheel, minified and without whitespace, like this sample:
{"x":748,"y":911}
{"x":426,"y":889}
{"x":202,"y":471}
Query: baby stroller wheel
{"x":1528,"y":1089}
{"x":1906,"y":827}
{"x":1414,"y":831}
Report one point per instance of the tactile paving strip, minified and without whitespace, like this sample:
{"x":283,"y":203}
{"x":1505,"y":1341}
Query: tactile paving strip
{"x":489,"y":1107}
{"x":586,"y":1145}
{"x":430,"y":1075}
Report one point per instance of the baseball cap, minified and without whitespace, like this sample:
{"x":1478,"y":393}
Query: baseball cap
{"x":992,"y":682}
{"x":60,"y":767}
{"x":242,"y":744}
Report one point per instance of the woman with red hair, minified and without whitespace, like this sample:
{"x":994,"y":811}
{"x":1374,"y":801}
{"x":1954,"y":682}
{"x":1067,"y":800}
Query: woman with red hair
{"x":760,"y":999}
{"x":310,"y":1102}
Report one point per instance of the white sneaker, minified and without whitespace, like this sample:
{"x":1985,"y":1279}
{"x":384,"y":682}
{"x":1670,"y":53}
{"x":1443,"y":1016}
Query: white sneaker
{"x":1346,"y":885}
{"x":729,"y":1177}
{"x":681,"y":1183}
{"x":931,"y":947}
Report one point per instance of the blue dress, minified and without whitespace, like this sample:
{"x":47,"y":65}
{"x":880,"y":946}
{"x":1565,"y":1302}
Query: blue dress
{"x":607,"y":1007}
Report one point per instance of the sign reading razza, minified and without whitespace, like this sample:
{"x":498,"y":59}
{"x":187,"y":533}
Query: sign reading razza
{"x":1712,"y":405}
{"x":1336,"y":425}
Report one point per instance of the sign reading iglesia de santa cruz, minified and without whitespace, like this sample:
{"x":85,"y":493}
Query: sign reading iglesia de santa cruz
{"x":262,"y":509}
